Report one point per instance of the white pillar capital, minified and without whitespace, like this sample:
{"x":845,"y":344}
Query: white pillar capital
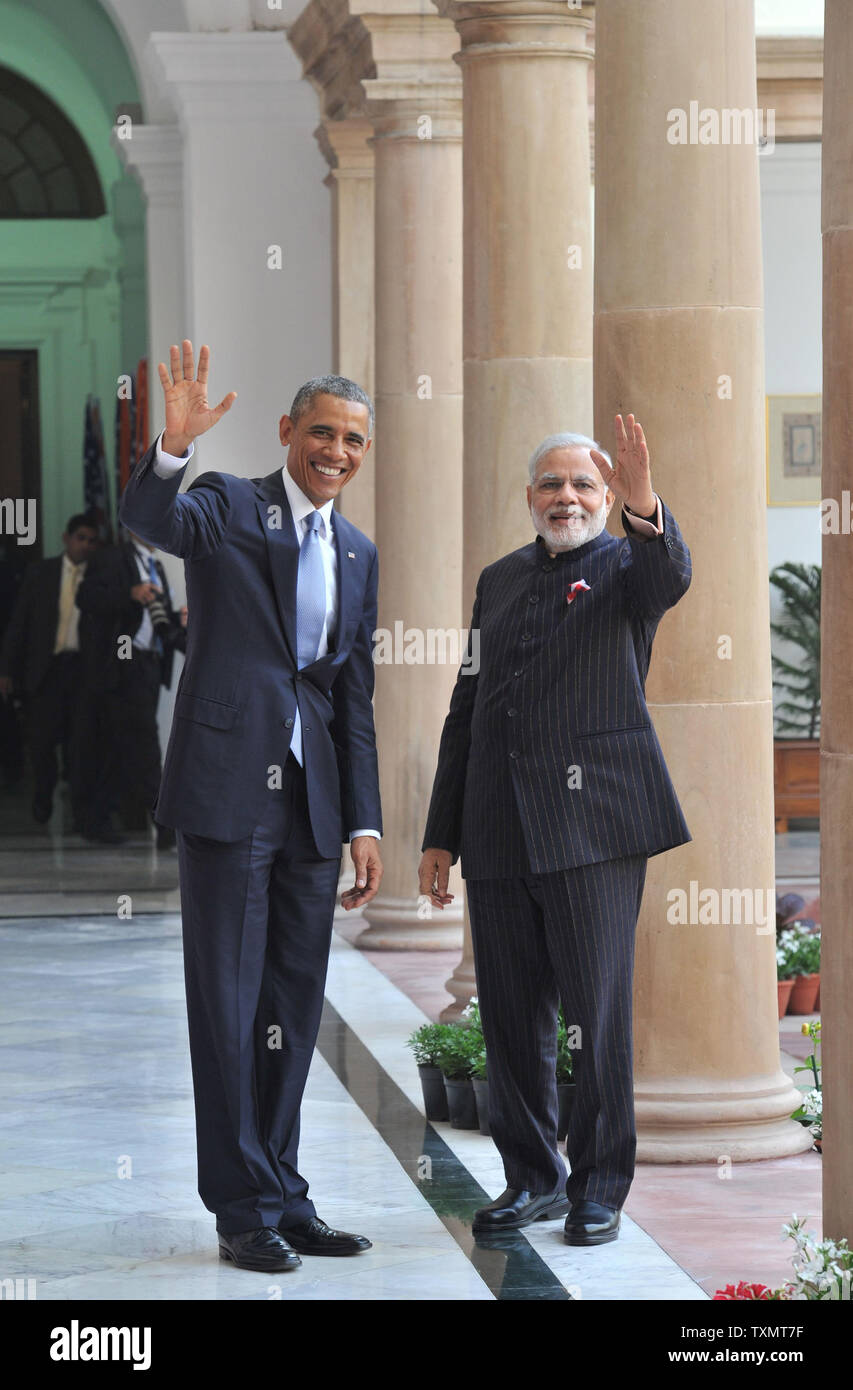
{"x":155,"y":154}
{"x":228,"y":78}
{"x":529,"y":28}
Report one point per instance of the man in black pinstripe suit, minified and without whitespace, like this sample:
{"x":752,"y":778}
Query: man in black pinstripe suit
{"x":551,"y":783}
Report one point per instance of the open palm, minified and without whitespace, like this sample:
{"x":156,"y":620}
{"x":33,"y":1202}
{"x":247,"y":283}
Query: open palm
{"x":630,"y":479}
{"x":188,"y":412}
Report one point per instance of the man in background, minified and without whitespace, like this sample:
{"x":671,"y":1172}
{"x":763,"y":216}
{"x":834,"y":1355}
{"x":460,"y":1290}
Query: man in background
{"x":131,"y":632}
{"x":41,"y":660}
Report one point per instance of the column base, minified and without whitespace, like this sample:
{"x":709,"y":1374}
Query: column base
{"x":708,"y":1127}
{"x":395,"y":924}
{"x":463,"y":986}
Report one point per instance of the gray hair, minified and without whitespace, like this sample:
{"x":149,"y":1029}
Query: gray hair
{"x":563,"y":441}
{"x":330,"y":385}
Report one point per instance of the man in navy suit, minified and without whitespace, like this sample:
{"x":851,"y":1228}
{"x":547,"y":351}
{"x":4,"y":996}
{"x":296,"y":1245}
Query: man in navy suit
{"x":271,"y":764}
{"x":552,"y":784}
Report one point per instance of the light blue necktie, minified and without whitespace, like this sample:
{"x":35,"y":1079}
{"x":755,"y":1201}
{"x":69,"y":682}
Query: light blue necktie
{"x":310,"y":593}
{"x":310,"y":609}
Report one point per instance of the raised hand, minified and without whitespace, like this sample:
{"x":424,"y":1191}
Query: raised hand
{"x":188,"y":413}
{"x":631,"y":478}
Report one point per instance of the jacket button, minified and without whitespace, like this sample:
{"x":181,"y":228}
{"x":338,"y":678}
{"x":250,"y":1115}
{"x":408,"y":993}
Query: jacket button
{"x":515,"y":753}
{"x":297,"y":677}
{"x":288,"y":723}
{"x":307,"y":728}
{"x":548,"y":567}
{"x":512,"y":713}
{"x":516,"y":674}
{"x":525,"y":636}
{"x":534,"y":598}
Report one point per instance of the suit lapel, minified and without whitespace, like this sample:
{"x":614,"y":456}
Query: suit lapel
{"x":282,"y":550}
{"x":347,"y":552}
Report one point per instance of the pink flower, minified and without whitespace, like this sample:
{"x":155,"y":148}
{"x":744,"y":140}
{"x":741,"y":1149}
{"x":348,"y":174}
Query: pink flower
{"x":743,"y":1290}
{"x":577,"y":588}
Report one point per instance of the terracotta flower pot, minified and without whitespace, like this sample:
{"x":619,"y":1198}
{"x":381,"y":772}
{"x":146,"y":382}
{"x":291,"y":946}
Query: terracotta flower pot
{"x":804,"y":994}
{"x":784,"y":988}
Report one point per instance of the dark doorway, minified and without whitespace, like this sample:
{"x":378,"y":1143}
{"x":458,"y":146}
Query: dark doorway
{"x":20,"y":449}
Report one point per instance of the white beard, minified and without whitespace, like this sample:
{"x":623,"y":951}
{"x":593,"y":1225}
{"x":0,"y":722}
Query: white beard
{"x":569,"y":536}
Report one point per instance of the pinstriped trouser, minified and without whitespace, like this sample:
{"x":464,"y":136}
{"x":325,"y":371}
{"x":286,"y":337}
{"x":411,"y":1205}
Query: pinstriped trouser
{"x":540,"y":939}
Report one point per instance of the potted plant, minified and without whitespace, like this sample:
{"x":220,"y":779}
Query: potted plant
{"x":810,"y":1109}
{"x":471,"y":1020}
{"x":425,"y":1043}
{"x":796,"y":751}
{"x":457,"y":1051}
{"x":784,"y":969}
{"x":565,"y":1084}
{"x":806,"y":964}
{"x":479,"y":1081}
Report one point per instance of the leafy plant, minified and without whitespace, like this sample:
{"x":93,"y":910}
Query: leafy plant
{"x":823,"y":1269}
{"x":478,"y":1066}
{"x":797,"y":951}
{"x":810,"y":1110}
{"x":798,"y":713}
{"x":425,"y":1043}
{"x":564,"y":1056}
{"x":458,"y":1050}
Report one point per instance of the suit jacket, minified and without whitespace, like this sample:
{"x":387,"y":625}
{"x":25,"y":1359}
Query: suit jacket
{"x":31,"y":634}
{"x":561,"y":686}
{"x":240,"y":686}
{"x":108,"y":612}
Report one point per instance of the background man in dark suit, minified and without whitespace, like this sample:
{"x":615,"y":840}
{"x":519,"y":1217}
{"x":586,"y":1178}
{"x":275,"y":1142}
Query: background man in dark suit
{"x":552,"y":784}
{"x":271,"y":764}
{"x":130,"y":633}
{"x":40,"y":659}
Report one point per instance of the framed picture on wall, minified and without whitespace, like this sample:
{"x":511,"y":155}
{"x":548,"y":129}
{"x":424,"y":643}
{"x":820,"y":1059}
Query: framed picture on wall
{"x":793,"y":450}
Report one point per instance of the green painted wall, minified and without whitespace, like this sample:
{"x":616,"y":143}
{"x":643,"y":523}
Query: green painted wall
{"x":75,"y":290}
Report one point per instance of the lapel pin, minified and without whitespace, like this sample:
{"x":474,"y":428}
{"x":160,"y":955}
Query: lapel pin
{"x":350,"y":554}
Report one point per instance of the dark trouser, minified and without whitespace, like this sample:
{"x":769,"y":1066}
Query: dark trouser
{"x":54,"y":721}
{"x":131,"y":761}
{"x":539,"y":940}
{"x":257,"y":923}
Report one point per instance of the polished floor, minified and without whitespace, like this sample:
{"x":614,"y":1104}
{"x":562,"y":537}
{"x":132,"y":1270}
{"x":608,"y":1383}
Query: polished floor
{"x":97,"y":1145}
{"x":98,"y":1151}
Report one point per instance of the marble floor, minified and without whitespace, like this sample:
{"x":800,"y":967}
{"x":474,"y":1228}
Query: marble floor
{"x":98,"y":1152}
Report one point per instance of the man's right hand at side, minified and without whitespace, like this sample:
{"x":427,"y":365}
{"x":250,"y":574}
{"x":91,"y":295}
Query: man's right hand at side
{"x":188,"y":413}
{"x":434,"y":875}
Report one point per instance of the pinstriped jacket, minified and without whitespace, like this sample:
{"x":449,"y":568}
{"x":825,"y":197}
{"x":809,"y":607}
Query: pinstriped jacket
{"x":548,"y":757}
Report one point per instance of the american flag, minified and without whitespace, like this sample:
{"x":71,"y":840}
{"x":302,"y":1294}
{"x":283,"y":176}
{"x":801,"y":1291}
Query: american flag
{"x":96,"y":492}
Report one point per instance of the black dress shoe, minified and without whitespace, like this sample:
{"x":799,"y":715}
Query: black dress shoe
{"x":314,"y":1237}
{"x":517,"y":1207}
{"x":590,"y":1223}
{"x":264,"y":1248}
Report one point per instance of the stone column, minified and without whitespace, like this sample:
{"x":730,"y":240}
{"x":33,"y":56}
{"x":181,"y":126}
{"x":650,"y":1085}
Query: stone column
{"x":346,"y":145}
{"x":679,"y":341}
{"x":528,"y":270}
{"x":836,"y":753}
{"x":155,"y":154}
{"x":415,"y":106}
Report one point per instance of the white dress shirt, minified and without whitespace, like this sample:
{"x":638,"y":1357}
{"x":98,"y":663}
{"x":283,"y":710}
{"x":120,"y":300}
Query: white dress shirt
{"x":166,"y":465}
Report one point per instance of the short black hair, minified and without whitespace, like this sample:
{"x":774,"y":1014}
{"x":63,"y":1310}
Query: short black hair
{"x":79,"y":520}
{"x":330,"y":385}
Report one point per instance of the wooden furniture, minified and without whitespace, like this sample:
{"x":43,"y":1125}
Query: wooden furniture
{"x":796,"y":779}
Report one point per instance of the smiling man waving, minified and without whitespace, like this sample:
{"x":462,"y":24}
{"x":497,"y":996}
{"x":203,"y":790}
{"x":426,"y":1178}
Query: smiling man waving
{"x":271,"y":764}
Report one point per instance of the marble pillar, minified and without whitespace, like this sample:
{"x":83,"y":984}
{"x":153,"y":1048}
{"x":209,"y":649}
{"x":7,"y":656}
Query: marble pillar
{"x":346,"y":144}
{"x":416,"y":114}
{"x":528,"y":270}
{"x":836,"y":752}
{"x":679,"y":341}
